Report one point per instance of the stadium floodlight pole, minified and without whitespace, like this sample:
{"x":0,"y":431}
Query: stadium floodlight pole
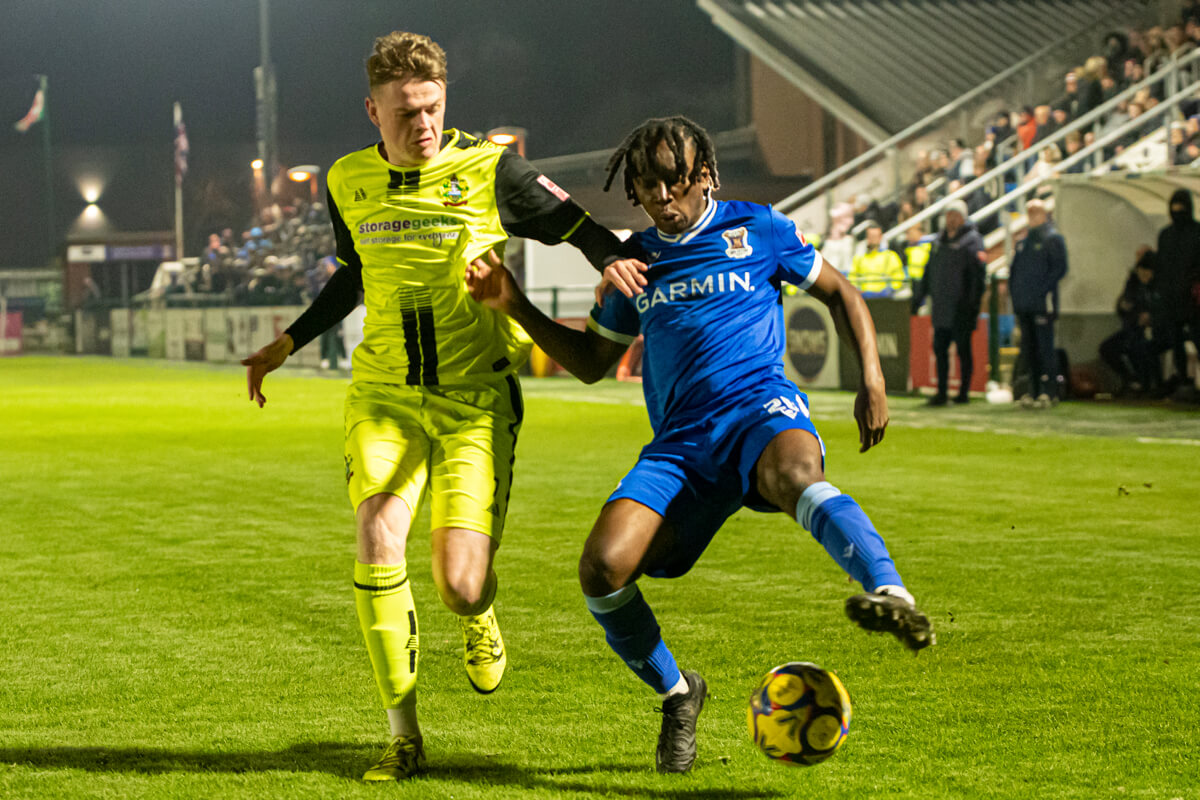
{"x":265,"y":92}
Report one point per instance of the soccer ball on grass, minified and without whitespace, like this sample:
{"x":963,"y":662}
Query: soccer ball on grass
{"x":799,"y":714}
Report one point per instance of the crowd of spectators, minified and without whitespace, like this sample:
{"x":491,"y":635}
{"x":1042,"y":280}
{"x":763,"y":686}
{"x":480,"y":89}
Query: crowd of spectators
{"x":1125,"y":59}
{"x":283,"y":258}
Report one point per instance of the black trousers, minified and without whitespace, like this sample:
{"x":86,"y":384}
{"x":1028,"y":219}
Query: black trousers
{"x":1037,"y":351}
{"x":1173,"y":332}
{"x":1133,"y":356}
{"x":332,"y":348}
{"x":960,"y":335}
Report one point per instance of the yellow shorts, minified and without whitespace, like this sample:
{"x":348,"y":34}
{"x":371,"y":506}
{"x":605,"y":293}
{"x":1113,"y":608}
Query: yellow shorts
{"x":461,"y":441}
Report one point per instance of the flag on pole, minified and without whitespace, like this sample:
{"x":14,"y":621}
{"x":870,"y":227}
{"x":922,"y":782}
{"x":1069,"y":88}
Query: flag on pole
{"x":35,"y":113}
{"x":181,"y":146}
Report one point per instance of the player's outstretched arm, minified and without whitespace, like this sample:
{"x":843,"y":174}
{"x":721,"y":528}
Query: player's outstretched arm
{"x":331,"y":306}
{"x":856,"y":328}
{"x":582,"y":353}
{"x":268,"y":359}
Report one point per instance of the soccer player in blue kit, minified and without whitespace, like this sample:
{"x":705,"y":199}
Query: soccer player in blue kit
{"x":730,"y":429}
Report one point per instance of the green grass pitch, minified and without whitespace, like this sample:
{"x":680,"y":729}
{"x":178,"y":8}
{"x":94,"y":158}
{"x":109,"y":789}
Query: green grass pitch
{"x":176,"y":618}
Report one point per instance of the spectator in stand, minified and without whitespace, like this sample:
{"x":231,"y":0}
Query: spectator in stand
{"x":838,"y":247}
{"x":877,"y":271}
{"x":962,"y":162}
{"x":1191,"y":31}
{"x":1132,"y":112}
{"x":980,"y":157}
{"x":1156,"y":52}
{"x":868,"y":208}
{"x":1190,"y":11}
{"x":1177,"y":41}
{"x":1191,"y":142}
{"x":1002,"y":128}
{"x":214,"y":250}
{"x":1026,"y":127}
{"x":1079,"y":97}
{"x":1179,"y":144}
{"x":1124,"y":112}
{"x":915,"y":254}
{"x":1095,"y":69}
{"x":1108,"y":89}
{"x":941,"y":164}
{"x":1045,"y":167}
{"x":999,"y":137}
{"x":1072,"y":144}
{"x":1116,"y":50}
{"x":1045,"y":123}
{"x":864,"y":205}
{"x":954,"y":282}
{"x":1132,"y":352}
{"x":921,"y":201}
{"x":1178,"y":280}
{"x":922,"y":169}
{"x":983,"y":194}
{"x":1039,"y":263}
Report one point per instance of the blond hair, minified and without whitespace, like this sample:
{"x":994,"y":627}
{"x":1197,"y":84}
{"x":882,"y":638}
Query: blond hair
{"x":402,"y":55}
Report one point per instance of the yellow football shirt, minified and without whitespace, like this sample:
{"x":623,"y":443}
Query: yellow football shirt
{"x":413,"y":232}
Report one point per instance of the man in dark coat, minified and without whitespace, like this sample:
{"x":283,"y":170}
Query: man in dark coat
{"x":1178,"y":272}
{"x":954,"y":281}
{"x":1039,"y":263}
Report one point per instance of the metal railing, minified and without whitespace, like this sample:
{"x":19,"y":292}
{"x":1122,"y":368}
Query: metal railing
{"x":1170,"y":74}
{"x":890,"y":147}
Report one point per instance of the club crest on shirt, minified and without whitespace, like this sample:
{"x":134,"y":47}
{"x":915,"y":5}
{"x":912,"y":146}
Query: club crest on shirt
{"x":454,"y":191}
{"x":738,"y":241}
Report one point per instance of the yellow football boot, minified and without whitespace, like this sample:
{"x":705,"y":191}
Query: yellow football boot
{"x":483,"y":651}
{"x":403,"y":758}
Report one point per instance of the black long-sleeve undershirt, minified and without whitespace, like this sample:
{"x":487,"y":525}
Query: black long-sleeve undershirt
{"x":331,"y":306}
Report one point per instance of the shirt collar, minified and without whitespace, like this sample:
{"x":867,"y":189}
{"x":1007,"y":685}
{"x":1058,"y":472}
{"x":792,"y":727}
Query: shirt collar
{"x":686,"y":236}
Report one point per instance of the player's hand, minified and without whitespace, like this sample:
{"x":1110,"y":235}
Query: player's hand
{"x":871,"y":413}
{"x":265,"y":360}
{"x":626,"y":275}
{"x":489,"y":282}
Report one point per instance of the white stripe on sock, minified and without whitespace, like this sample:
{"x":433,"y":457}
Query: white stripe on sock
{"x":611,"y":602}
{"x":812,"y":498}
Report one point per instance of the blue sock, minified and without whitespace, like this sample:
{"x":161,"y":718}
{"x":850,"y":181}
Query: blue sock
{"x":633,"y":634}
{"x":843,"y":529}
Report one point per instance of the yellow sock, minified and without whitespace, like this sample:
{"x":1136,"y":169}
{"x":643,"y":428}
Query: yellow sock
{"x":388,"y":618}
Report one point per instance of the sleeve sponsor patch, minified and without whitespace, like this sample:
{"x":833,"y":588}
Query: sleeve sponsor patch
{"x":553,"y":188}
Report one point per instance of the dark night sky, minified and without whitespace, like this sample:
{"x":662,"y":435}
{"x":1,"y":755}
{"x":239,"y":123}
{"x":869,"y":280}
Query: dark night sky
{"x":577,"y":75}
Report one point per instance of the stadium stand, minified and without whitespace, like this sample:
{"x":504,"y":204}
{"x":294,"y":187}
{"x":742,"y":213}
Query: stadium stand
{"x":852,"y":50}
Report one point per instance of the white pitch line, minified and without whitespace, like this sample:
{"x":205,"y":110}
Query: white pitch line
{"x":1156,"y":440}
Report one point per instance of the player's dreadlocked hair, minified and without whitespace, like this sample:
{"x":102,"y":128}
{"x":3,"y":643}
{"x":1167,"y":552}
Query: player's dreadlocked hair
{"x":637,"y":154}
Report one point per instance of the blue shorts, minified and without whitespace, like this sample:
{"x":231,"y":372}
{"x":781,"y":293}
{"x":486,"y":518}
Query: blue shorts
{"x":696,"y":475}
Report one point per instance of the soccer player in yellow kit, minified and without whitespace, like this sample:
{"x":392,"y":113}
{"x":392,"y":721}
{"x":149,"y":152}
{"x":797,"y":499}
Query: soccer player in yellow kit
{"x":434,"y":401}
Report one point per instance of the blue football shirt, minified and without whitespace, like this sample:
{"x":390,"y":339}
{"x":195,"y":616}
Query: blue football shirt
{"x":710,"y":312}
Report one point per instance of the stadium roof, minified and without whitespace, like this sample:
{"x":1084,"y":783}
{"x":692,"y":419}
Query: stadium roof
{"x":881,"y":66}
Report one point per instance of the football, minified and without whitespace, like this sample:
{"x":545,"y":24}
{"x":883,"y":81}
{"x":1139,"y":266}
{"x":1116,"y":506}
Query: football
{"x":799,"y":714}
